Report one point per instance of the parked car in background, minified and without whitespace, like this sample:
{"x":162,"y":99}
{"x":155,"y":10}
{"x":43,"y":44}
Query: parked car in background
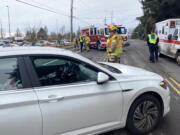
{"x":41,"y":43}
{"x":11,"y":45}
{"x":6,"y":41}
{"x":19,"y":40}
{"x":65,"y":41}
{"x":2,"y":43}
{"x":55,"y":41}
{"x":28,"y":44}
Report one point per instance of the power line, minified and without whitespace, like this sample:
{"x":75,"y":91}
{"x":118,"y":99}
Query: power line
{"x":94,"y":11}
{"x":98,"y":18}
{"x":42,"y":8}
{"x":42,"y":4}
{"x":81,"y":6}
{"x":84,"y":5}
{"x":56,"y":12}
{"x":46,"y":9}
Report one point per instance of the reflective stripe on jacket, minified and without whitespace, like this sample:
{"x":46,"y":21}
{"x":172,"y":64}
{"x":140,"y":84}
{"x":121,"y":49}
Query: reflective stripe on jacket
{"x":151,"y":39}
{"x":75,"y":41}
{"x":81,"y":39}
{"x":87,"y":40}
{"x":117,"y":40}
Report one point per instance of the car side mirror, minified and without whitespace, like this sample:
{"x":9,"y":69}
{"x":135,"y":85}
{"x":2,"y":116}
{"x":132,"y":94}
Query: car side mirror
{"x":169,"y":36}
{"x":102,"y":78}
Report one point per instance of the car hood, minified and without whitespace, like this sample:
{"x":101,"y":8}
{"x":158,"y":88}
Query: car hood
{"x":129,"y":71}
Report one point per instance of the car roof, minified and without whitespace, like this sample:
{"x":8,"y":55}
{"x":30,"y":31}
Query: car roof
{"x":11,"y":51}
{"x":18,"y":51}
{"x":26,"y":50}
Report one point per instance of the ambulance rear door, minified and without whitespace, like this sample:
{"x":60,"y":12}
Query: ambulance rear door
{"x":163,"y":37}
{"x":175,"y":42}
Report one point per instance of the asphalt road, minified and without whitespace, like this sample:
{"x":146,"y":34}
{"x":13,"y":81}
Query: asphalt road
{"x":137,"y":55}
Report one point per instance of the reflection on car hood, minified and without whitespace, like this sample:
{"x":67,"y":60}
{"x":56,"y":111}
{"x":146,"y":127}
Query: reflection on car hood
{"x":129,"y":71}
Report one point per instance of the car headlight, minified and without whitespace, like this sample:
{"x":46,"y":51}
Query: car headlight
{"x":163,"y":84}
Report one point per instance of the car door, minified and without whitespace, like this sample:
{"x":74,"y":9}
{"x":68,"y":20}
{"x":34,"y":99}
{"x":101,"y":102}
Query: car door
{"x":19,"y":109}
{"x":70,"y":99}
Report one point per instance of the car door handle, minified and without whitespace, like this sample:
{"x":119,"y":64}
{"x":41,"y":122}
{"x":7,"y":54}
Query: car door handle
{"x":52,"y":99}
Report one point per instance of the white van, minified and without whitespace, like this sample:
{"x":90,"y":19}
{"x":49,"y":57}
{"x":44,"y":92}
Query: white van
{"x":168,"y":32}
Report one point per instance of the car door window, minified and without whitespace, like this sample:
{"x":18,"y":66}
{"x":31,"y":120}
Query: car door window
{"x":56,"y":71}
{"x":175,"y":35}
{"x":10,"y":78}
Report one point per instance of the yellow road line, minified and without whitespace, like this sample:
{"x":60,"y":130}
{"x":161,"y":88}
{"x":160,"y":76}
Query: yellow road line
{"x":178,"y":84}
{"x":173,"y":87}
{"x":105,"y":58}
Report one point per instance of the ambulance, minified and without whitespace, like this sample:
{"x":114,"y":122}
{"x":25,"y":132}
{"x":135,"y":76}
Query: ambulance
{"x":123,"y":32}
{"x":168,"y":32}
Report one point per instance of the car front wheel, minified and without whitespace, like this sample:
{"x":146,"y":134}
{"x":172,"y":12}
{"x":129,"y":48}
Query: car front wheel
{"x":144,"y":114}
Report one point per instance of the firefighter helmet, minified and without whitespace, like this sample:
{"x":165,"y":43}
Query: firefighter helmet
{"x":112,"y":28}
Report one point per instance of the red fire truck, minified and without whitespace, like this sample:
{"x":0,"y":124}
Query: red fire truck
{"x":99,"y":35}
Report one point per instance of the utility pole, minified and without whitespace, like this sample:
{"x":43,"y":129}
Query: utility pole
{"x":9,"y":21}
{"x":105,"y":21}
{"x":79,"y":32}
{"x":1,"y":30}
{"x":57,"y":29}
{"x":71,"y":33}
{"x":112,"y":17}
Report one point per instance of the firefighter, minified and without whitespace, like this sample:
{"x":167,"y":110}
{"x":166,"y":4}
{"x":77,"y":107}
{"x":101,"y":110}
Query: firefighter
{"x":114,"y":45}
{"x":75,"y":43}
{"x":87,"y":42}
{"x":152,"y":41}
{"x":81,"y":40}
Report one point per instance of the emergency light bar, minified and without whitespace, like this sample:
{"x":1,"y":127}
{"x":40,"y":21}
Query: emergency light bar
{"x":172,"y":24}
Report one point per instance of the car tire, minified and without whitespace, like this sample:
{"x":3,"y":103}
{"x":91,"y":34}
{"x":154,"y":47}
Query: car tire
{"x":144,"y":115}
{"x":178,"y":58}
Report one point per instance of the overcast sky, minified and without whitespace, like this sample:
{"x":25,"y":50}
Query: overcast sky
{"x":86,"y":12}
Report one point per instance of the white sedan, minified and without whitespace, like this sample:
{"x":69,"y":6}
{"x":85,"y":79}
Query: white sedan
{"x":49,"y":91}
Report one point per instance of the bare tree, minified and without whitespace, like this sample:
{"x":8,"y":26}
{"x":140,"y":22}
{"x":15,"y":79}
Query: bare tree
{"x":2,"y":33}
{"x":31,"y":33}
{"x":53,"y":36}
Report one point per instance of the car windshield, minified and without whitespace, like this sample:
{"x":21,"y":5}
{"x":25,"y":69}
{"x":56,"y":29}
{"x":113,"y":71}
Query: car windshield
{"x":110,"y":68}
{"x":106,"y":31}
{"x":121,"y":30}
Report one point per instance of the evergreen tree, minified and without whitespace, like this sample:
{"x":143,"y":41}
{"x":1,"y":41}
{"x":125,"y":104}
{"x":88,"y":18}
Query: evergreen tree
{"x":155,"y":11}
{"x":42,"y":33}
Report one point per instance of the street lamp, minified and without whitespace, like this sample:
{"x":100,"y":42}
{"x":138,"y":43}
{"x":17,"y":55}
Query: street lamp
{"x":9,"y":21}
